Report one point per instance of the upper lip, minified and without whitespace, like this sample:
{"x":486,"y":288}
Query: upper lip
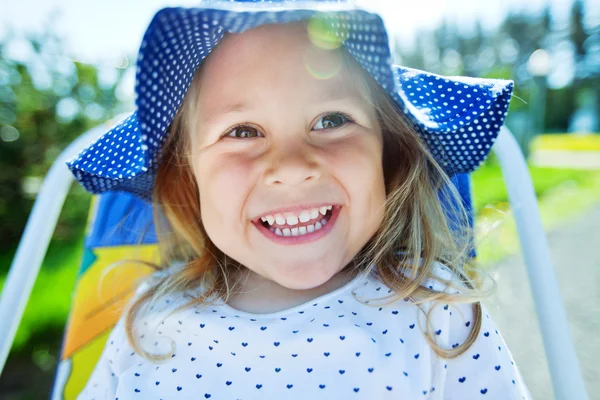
{"x":295,"y":209}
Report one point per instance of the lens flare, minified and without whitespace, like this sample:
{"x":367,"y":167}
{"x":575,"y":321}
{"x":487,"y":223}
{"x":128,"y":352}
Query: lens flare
{"x":322,"y":64}
{"x":322,"y":34}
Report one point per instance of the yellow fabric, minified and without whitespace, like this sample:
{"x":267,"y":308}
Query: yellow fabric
{"x":102,"y":293}
{"x":82,"y":364}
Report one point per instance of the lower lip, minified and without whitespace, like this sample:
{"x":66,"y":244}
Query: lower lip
{"x":307,"y":238}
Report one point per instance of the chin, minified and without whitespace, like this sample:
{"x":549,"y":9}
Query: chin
{"x":303,"y":286}
{"x":303,"y":280}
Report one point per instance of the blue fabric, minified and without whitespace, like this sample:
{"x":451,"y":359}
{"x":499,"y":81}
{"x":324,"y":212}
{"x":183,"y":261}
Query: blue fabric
{"x":121,"y":219}
{"x":462,"y":182}
{"x":459,"y":118}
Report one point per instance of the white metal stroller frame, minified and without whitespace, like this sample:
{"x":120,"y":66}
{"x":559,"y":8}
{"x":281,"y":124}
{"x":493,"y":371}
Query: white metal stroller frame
{"x":567,"y":380}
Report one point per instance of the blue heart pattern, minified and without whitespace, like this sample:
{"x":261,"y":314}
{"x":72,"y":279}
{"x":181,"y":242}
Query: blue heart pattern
{"x":359,"y":346}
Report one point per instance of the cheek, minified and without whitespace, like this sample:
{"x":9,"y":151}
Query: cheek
{"x":360,"y":163}
{"x":359,"y":169}
{"x":224,"y":183}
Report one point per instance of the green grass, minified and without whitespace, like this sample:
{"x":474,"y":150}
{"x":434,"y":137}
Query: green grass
{"x":50,"y":299}
{"x":489,"y":188}
{"x":562,"y":194}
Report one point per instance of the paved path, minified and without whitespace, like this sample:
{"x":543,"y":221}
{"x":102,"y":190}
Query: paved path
{"x":575,"y":249}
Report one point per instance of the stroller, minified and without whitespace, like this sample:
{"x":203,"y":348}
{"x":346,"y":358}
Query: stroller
{"x":120,"y":227}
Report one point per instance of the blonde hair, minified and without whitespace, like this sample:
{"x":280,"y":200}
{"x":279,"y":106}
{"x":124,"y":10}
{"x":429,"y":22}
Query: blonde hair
{"x":415,"y":235}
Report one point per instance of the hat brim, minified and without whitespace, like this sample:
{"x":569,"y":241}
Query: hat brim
{"x":459,"y":118}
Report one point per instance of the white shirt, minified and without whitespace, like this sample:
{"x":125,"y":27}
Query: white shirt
{"x":331,"y":347}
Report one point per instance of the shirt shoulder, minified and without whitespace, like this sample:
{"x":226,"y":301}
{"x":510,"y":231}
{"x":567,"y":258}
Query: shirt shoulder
{"x":487,"y":367}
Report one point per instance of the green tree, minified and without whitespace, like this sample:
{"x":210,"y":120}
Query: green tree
{"x":578,"y":32}
{"x":46,"y":101}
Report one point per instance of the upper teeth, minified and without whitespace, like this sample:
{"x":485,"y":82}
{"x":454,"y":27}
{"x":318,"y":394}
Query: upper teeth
{"x":292,"y":219}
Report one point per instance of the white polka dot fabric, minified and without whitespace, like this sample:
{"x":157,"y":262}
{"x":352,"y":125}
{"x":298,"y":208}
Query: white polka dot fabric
{"x":342,"y":345}
{"x":459,"y":118}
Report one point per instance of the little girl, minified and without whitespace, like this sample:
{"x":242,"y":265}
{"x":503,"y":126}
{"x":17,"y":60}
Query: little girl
{"x":312,"y":244}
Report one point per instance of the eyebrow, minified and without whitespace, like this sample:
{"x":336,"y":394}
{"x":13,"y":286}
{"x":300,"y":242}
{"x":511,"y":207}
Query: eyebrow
{"x":330,"y":94}
{"x":228,"y":109}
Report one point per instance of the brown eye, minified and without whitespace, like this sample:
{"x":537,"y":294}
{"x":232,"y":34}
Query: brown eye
{"x":242,"y":132}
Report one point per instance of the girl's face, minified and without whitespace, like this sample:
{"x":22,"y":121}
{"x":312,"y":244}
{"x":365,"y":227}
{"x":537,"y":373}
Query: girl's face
{"x":271,"y":139}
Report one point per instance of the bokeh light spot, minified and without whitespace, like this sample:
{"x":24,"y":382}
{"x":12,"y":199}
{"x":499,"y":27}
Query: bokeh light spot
{"x":322,"y":64}
{"x":9,"y":133}
{"x":322,"y":34}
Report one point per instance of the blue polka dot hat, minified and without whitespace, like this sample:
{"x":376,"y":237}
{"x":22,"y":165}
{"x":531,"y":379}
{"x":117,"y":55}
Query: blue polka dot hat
{"x":459,"y":118}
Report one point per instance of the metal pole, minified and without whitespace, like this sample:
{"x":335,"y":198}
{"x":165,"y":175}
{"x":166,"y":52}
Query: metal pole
{"x":567,"y":380}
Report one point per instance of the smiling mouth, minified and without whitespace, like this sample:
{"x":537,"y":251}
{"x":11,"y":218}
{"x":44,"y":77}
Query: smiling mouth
{"x":301,"y":228}
{"x":302,"y":233}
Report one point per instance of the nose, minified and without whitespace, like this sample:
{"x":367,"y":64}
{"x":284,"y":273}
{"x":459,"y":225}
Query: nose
{"x":292,"y":163}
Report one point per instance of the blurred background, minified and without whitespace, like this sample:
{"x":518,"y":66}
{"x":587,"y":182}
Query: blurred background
{"x":66,"y":66}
